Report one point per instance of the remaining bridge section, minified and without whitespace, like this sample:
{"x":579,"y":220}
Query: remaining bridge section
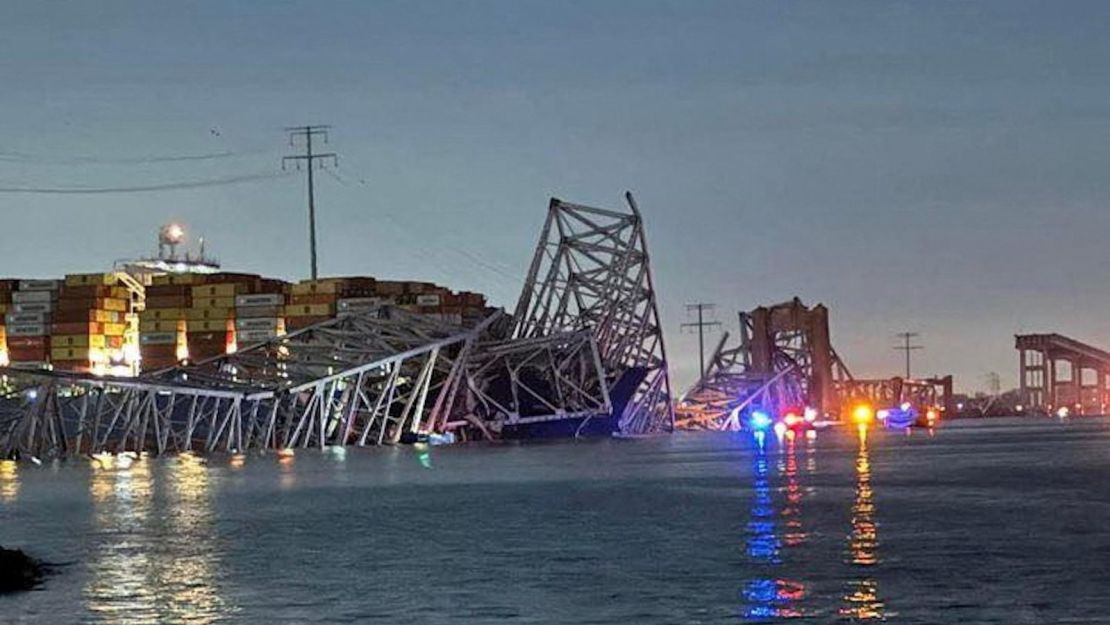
{"x":1056,"y":371}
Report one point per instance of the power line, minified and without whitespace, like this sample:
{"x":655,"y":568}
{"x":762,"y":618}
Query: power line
{"x":169,"y":186}
{"x":701,"y":325}
{"x":907,"y":337}
{"x":486,"y":263}
{"x":24,"y":157}
{"x":310,"y":159}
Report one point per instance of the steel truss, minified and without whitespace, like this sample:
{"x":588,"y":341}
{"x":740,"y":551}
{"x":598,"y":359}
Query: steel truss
{"x":356,"y":380}
{"x":591,"y":272}
{"x":585,"y":342}
{"x":783,"y":359}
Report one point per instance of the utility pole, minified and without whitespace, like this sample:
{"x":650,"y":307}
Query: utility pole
{"x":309,"y":158}
{"x":907,"y":337}
{"x":701,"y":325}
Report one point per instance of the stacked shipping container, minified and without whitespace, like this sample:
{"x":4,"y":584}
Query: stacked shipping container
{"x":28,"y":322}
{"x":162,"y":324}
{"x":82,"y":324}
{"x":89,"y":323}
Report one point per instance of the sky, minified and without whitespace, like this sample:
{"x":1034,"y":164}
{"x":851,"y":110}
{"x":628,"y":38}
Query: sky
{"x":937,"y":167}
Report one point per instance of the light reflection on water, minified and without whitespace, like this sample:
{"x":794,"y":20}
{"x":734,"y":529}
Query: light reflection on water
{"x":862,"y":596}
{"x":9,"y":481}
{"x":769,"y":596}
{"x":142,"y":576}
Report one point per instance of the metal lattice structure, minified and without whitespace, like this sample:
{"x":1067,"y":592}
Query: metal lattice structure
{"x":783,"y":358}
{"x":585,"y":343}
{"x":591,"y":272}
{"x":361,"y":379}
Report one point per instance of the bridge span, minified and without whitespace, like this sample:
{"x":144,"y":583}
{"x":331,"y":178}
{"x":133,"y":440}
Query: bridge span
{"x":1057,"y":372}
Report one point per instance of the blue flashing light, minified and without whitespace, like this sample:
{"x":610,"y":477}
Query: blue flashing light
{"x":760,"y":420}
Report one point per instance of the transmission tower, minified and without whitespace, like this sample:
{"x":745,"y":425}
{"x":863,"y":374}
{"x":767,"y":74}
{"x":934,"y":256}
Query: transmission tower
{"x":309,"y":158}
{"x":701,"y":324}
{"x":907,"y":347}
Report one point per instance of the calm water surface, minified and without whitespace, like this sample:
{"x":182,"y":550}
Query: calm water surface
{"x":1004,"y":521}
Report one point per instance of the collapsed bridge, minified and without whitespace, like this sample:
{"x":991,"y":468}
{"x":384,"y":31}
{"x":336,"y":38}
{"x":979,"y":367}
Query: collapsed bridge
{"x":583,"y":350}
{"x":784,"y":359}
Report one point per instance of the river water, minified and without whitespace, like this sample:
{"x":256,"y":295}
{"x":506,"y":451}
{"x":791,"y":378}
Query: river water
{"x":1002,"y":521}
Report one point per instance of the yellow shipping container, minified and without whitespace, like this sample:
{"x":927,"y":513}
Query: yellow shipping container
{"x":114,"y":304}
{"x":106,"y":316}
{"x":209,"y":313}
{"x":207,"y":325}
{"x":314,"y":287}
{"x":77,"y":340}
{"x":91,"y":279}
{"x":161,"y":314}
{"x":163,"y":325}
{"x":70,"y":353}
{"x":227,"y":289}
{"x":309,"y":310}
{"x":115,"y":329}
{"x":214,"y":302}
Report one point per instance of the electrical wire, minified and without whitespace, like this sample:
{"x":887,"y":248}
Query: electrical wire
{"x":24,"y":157}
{"x":169,"y":186}
{"x":485,"y":264}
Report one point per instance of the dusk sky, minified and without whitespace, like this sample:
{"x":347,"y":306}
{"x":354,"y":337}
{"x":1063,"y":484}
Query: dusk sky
{"x":930,"y":166}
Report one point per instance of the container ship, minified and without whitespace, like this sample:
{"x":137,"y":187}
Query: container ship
{"x":179,"y":308}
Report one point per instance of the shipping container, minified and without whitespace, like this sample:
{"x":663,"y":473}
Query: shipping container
{"x":91,"y":279}
{"x":206,"y":325}
{"x":100,"y":316}
{"x":33,"y":297}
{"x":264,"y":300}
{"x":32,"y":307}
{"x":115,"y":329}
{"x":158,"y":338}
{"x":258,"y":323}
{"x":78,"y":327}
{"x":226,"y":303}
{"x":250,"y":337}
{"x":39,"y":285}
{"x":227,"y":289}
{"x":163,"y":325}
{"x":30,"y":317}
{"x":77,"y":340}
{"x":209,"y":313}
{"x":168,"y":301}
{"x":259,"y":311}
{"x":310,"y":310}
{"x":27,"y":329}
{"x":161,"y":314}
{"x":317,"y":298}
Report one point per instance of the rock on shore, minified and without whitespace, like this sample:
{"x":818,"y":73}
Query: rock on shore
{"x":18,"y":571}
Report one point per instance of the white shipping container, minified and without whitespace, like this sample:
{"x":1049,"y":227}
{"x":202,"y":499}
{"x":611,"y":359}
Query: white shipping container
{"x":260,"y":323}
{"x":33,"y":307}
{"x":264,"y":299}
{"x":363,"y":303}
{"x":39,"y":285}
{"x":427,"y":300}
{"x":28,"y":297}
{"x":27,"y":329}
{"x":25,"y":317}
{"x":158,"y":338}
{"x":247,"y":337}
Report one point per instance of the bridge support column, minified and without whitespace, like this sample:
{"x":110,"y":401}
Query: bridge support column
{"x":1023,"y":375}
{"x":1049,"y":381}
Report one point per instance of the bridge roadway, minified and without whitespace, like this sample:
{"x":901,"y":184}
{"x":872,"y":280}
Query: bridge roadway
{"x":1056,"y":371}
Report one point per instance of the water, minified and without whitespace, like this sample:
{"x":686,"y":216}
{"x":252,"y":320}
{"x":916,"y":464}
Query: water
{"x":995,"y":522}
